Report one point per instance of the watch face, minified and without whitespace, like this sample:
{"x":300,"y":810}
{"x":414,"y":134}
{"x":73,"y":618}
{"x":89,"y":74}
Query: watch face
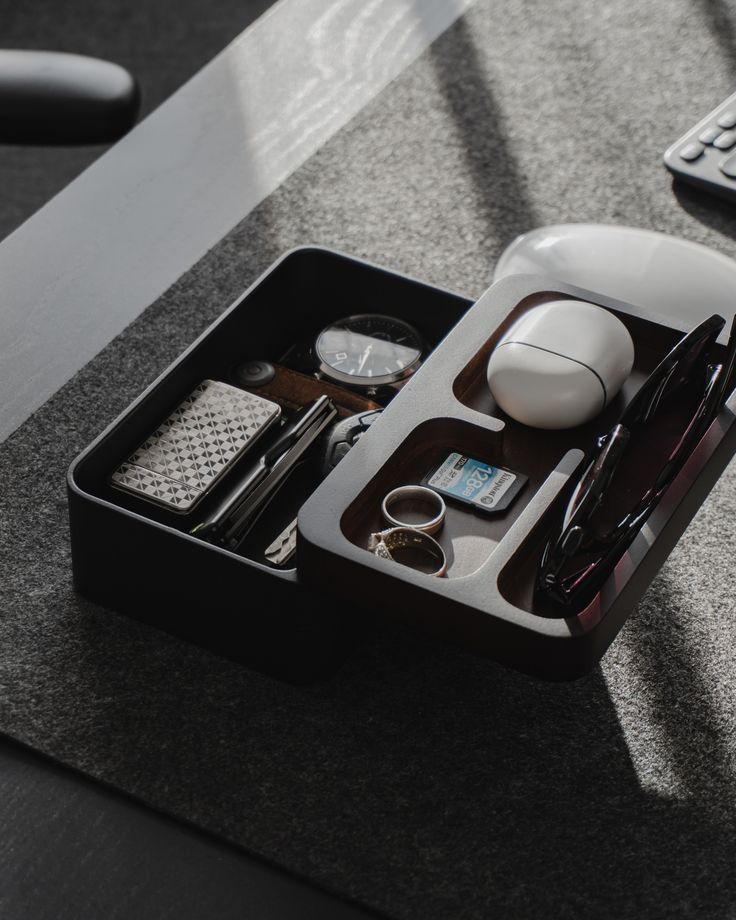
{"x":368,"y":350}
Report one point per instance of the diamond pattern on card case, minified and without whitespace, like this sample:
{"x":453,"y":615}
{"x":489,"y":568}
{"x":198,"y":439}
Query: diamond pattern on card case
{"x":155,"y":487}
{"x":195,"y":445}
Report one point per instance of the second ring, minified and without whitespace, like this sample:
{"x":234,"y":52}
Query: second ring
{"x":417,"y":507}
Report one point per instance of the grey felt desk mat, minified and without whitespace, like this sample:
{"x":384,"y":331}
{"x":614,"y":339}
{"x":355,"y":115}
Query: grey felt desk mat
{"x":420,"y":780}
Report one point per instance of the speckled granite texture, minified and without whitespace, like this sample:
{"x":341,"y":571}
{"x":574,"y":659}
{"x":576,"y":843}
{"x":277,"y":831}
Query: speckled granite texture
{"x":419,"y":780}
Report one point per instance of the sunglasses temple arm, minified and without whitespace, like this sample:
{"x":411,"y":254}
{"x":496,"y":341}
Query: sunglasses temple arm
{"x":729,"y":362}
{"x":604,"y":466}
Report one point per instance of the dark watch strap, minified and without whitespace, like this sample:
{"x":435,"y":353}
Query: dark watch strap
{"x":294,"y":390}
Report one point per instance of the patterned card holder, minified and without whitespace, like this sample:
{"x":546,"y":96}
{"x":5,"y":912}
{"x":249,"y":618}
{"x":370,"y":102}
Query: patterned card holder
{"x":201,"y":439}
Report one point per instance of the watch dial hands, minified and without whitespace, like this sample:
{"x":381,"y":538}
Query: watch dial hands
{"x":367,"y":351}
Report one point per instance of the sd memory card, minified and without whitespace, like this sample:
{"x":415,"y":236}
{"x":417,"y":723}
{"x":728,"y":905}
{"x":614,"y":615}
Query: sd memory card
{"x":490,"y":489}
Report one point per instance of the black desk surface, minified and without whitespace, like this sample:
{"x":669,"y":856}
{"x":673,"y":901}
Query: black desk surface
{"x":71,"y":848}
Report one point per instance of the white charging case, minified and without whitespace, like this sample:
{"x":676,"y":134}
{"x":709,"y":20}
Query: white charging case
{"x":560,"y":364}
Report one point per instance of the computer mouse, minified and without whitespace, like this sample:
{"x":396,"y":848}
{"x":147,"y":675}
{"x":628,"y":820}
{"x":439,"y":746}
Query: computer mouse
{"x":665,"y":274}
{"x":560,"y":364}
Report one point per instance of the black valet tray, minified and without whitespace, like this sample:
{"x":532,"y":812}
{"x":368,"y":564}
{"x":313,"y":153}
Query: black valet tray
{"x":133,"y":558}
{"x":295,"y":623}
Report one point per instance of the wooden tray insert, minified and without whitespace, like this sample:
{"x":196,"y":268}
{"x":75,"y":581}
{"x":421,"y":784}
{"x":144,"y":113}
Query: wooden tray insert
{"x":486,"y":601}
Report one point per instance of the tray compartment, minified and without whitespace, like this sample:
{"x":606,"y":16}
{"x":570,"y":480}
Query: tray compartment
{"x":652,"y":341}
{"x":311,"y":287}
{"x":137,"y":558}
{"x":468,"y":537}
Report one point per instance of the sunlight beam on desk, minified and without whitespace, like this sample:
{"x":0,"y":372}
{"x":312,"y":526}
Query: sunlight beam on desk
{"x":90,"y":261}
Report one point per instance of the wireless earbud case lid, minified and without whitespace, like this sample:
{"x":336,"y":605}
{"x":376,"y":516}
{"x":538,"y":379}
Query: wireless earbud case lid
{"x":560,"y":364}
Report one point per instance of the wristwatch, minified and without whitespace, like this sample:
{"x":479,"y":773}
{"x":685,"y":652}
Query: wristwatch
{"x":368,"y":352}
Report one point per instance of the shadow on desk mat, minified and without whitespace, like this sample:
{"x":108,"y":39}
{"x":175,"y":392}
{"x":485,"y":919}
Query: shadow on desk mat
{"x":419,"y":780}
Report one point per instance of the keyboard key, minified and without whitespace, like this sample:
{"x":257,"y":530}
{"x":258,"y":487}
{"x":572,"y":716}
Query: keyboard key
{"x":709,"y":135}
{"x":727,"y":119}
{"x":728,"y":166}
{"x":691,"y":151}
{"x":725,"y":141}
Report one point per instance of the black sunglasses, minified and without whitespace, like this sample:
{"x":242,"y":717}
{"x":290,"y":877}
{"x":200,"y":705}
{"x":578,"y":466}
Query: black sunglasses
{"x":631,"y":467}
